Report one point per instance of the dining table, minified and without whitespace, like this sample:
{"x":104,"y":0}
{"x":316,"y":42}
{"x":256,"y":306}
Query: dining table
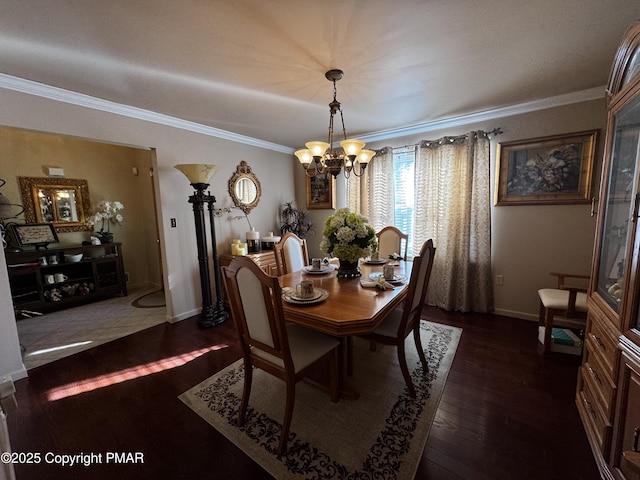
{"x":349,"y":308}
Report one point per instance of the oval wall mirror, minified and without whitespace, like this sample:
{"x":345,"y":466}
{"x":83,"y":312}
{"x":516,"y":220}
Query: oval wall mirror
{"x":244,"y":188}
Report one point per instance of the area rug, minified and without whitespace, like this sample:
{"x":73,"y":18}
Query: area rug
{"x":150,"y":300}
{"x":382,"y":434}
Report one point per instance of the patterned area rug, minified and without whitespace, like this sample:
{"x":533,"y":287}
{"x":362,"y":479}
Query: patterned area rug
{"x":380,"y":435}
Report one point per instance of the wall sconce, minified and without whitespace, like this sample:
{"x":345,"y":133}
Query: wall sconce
{"x":199,"y":175}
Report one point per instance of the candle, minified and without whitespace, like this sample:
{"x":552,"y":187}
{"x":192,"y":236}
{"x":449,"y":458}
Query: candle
{"x":234,"y":248}
{"x":253,"y":240}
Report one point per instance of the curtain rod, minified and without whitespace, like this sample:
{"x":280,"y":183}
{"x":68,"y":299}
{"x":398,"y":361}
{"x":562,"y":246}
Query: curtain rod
{"x":496,"y":131}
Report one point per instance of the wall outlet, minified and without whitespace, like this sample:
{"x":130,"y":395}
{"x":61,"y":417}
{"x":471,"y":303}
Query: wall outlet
{"x":173,"y":223}
{"x":499,"y":279}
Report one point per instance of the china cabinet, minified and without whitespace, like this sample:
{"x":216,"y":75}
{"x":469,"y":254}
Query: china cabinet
{"x":608,"y":391}
{"x":47,"y":280}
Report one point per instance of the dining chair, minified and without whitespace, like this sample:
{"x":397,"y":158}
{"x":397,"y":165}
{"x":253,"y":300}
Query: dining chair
{"x":285,"y":350}
{"x":291,"y":253}
{"x":565,"y":301}
{"x":391,"y":240}
{"x":402,"y":321}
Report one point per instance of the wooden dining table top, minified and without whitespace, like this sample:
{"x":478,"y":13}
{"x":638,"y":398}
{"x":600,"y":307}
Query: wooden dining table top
{"x":350,"y":308}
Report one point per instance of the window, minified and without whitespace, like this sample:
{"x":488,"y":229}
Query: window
{"x":404,"y":160}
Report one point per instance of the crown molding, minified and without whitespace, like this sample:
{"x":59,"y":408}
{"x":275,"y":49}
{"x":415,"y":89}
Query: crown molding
{"x":61,"y":95}
{"x":595,"y":93}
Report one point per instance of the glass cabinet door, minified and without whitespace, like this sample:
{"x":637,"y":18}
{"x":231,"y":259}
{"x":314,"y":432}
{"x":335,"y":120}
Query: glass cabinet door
{"x":621,"y":204}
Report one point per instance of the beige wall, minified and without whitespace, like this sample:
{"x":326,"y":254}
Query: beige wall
{"x":108,"y":170}
{"x":528,"y":242}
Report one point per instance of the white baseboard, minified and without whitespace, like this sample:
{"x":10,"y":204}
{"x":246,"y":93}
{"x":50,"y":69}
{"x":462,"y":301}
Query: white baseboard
{"x":183,"y":316}
{"x":18,"y":374}
{"x":558,"y":321}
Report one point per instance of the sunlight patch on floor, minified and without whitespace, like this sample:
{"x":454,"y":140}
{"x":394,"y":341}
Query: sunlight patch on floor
{"x":127,"y":374}
{"x":55,"y":349}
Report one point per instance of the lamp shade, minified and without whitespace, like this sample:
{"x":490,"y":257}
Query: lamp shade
{"x":197,"y":172}
{"x":317,"y":148}
{"x":352,"y":147}
{"x":304,"y":156}
{"x":365,"y":156}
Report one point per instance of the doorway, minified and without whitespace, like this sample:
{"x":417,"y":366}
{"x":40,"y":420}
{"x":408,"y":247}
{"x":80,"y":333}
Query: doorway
{"x":113,"y":173}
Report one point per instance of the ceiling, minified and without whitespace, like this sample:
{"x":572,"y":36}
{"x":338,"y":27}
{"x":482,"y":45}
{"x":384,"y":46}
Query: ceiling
{"x":256,"y":67}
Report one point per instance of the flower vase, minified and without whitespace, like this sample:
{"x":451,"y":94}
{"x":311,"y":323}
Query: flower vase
{"x":348,"y":269}
{"x":105,"y":237}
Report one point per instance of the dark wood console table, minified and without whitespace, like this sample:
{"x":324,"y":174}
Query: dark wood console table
{"x":34,"y":287}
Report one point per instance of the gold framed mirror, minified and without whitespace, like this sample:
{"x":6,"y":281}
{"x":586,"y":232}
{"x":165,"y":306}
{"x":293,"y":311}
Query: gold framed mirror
{"x":244,"y":188}
{"x":64,"y":202}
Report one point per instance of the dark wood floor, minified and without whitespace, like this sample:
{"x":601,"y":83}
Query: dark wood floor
{"x":505,"y":413}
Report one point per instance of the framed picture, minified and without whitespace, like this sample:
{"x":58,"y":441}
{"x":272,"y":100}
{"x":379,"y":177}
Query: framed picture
{"x":36,"y":234}
{"x":547,"y":170}
{"x":321,"y":191}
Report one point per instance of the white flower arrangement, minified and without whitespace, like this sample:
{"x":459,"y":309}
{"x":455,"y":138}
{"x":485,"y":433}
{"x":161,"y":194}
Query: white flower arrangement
{"x":348,"y":236}
{"x":107,"y":213}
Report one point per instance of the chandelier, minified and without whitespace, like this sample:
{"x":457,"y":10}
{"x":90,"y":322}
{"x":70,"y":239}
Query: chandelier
{"x":321,"y":157}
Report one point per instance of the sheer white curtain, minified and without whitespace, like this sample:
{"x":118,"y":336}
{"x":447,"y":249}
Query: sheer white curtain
{"x":372,"y":194}
{"x":454,"y":209}
{"x":452,"y":206}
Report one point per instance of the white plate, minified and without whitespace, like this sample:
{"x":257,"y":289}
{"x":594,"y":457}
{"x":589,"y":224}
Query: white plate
{"x":397,"y":279}
{"x":324,"y":269}
{"x":376,"y":262}
{"x":292,"y":298}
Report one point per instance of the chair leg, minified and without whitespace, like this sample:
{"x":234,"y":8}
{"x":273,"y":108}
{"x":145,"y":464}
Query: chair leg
{"x":402,"y":359}
{"x":548,"y":327}
{"x":288,"y":414}
{"x":248,"y":375}
{"x":541,"y":315}
{"x":418,"y":342}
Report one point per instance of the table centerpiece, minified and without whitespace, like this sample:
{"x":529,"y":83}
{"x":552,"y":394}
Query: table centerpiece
{"x":348,"y":237}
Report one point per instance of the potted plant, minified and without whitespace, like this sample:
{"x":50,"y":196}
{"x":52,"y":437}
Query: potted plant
{"x":295,"y":220}
{"x":106,"y":214}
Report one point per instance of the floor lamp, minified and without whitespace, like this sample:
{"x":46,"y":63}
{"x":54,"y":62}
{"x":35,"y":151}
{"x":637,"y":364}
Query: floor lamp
{"x":199,"y":175}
